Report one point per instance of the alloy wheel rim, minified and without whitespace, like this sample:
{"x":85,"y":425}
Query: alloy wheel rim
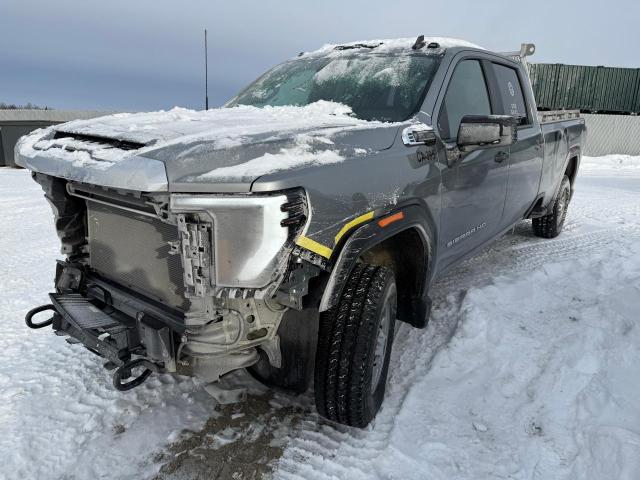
{"x":562,"y":208}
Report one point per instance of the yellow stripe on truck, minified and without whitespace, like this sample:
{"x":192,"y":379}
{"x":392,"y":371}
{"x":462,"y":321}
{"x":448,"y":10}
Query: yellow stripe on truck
{"x":313,"y":246}
{"x":356,"y":221}
{"x":323,"y":250}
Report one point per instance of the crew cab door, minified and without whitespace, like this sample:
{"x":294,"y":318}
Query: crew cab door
{"x":526,"y":155}
{"x":474,"y":184}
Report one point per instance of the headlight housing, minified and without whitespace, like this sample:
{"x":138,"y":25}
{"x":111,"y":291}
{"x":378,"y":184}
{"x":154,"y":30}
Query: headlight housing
{"x":247,"y":235}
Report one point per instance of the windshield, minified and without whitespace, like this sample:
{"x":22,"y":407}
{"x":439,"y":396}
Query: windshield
{"x":377,"y":87}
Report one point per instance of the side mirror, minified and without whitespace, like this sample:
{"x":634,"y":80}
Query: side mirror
{"x":481,"y":131}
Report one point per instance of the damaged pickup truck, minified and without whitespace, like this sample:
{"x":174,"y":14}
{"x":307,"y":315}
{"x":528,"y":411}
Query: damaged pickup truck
{"x":288,"y":231}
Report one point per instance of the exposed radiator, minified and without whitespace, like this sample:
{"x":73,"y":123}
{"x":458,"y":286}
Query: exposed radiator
{"x":133,"y":250}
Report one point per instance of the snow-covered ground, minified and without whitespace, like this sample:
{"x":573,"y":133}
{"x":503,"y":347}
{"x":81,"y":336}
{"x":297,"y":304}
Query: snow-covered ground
{"x":528,"y":369}
{"x":59,"y":415}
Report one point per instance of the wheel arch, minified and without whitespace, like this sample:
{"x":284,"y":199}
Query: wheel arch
{"x":406,"y":246}
{"x":572,"y":163}
{"x":570,"y":167}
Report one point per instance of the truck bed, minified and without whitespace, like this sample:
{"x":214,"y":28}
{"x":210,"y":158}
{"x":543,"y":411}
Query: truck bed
{"x":562,"y":130}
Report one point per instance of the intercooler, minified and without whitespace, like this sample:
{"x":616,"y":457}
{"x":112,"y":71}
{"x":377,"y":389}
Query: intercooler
{"x":133,"y":250}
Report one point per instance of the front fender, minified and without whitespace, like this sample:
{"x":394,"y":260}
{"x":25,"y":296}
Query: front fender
{"x":371,"y":234}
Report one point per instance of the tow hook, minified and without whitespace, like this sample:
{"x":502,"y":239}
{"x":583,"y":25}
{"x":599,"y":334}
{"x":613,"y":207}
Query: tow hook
{"x":124,"y":372}
{"x":28,"y":319}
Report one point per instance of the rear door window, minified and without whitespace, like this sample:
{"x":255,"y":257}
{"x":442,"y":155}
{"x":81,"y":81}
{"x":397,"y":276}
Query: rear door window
{"x":510,"y":92}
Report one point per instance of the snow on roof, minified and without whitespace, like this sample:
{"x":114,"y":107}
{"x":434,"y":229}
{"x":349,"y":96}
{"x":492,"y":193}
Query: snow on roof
{"x":395,"y":45}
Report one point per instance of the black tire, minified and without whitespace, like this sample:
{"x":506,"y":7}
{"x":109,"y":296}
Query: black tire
{"x":551,"y":225}
{"x":298,"y":334}
{"x":354,"y":347}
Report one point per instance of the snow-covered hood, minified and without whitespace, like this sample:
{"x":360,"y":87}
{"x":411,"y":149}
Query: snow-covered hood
{"x":217,"y":150}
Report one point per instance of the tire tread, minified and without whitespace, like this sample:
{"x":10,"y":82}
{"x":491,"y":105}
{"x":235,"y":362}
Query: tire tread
{"x":547,"y":226}
{"x":345,"y":348}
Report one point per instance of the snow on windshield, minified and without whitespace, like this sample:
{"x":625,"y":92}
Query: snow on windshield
{"x":377,"y":69}
{"x":386,"y":87}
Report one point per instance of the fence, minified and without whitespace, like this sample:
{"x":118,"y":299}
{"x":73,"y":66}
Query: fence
{"x":608,"y":134}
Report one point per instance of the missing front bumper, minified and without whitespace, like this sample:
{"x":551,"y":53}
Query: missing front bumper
{"x":108,"y":334}
{"x":101,"y":333}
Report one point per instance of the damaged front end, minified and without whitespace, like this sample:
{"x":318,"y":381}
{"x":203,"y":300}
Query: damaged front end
{"x":192,"y":284}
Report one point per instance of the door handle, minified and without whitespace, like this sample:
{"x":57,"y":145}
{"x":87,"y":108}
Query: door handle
{"x":501,"y":157}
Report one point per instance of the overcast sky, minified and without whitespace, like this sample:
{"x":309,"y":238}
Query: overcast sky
{"x":148,"y":54}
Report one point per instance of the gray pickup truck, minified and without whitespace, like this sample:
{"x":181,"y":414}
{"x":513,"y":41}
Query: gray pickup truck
{"x":286,"y":232}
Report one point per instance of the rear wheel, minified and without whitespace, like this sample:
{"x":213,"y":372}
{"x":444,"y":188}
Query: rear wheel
{"x":551,"y":225}
{"x":354,"y":347}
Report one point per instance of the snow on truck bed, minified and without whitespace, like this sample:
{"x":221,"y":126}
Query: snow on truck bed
{"x":528,"y":370}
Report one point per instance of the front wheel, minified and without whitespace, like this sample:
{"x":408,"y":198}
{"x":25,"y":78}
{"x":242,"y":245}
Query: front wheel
{"x":551,"y":225}
{"x":354,"y":347}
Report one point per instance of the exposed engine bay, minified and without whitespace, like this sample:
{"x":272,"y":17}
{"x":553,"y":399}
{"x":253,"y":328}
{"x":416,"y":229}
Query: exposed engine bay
{"x":176,"y":283}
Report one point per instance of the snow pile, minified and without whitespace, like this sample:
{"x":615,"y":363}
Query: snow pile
{"x":608,"y":162}
{"x":390,"y":46}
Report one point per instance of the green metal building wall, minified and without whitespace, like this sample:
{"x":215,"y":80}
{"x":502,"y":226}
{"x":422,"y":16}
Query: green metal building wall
{"x":584,"y":88}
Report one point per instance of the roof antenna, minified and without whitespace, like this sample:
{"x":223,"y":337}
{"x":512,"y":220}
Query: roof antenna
{"x":206,"y":73}
{"x":419,"y":43}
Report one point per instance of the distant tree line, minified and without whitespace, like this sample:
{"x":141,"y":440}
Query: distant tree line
{"x":28,"y":106}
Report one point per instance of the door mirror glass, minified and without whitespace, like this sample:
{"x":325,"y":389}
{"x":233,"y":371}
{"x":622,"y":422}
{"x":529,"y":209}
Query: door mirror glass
{"x":478,"y":131}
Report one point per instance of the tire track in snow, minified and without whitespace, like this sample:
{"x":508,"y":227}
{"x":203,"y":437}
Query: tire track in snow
{"x":308,"y":455}
{"x":522,"y":257}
